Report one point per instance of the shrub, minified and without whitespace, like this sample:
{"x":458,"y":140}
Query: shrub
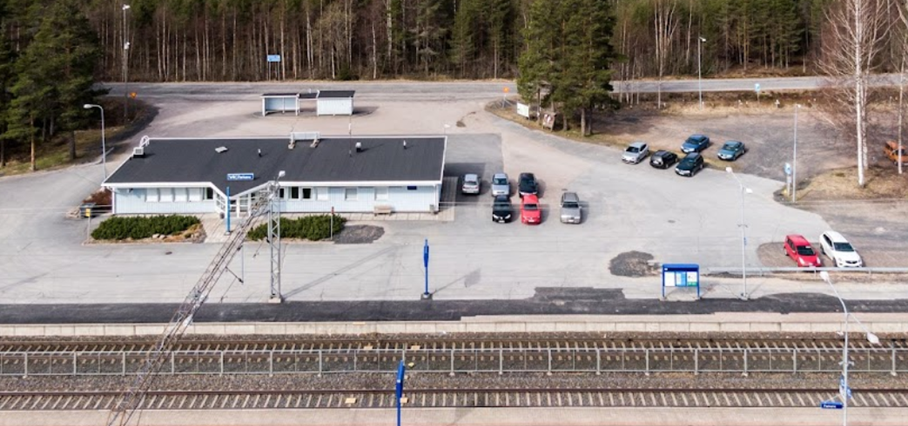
{"x":137,"y":228}
{"x":311,"y":228}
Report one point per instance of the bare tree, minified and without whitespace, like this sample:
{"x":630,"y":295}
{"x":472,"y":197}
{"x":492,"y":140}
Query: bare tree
{"x":855,"y":33}
{"x":665,"y":24}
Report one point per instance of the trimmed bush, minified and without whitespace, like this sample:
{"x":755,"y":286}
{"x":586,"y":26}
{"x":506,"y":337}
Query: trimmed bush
{"x":311,"y":228}
{"x":137,"y":228}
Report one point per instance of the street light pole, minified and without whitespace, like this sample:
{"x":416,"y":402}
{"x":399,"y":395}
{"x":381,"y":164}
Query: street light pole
{"x":700,"y":40}
{"x":844,"y":390}
{"x":744,"y":190}
{"x":794,"y":159}
{"x":103,"y":141}
{"x":125,"y":66}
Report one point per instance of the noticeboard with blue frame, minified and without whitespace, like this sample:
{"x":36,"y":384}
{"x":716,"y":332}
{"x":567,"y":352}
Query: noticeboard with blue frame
{"x":680,"y":275}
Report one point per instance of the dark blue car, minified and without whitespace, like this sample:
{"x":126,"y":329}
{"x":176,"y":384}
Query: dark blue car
{"x":695,"y":143}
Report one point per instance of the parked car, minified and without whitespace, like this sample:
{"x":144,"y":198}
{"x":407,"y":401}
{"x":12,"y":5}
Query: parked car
{"x":891,"y":149}
{"x":635,"y":153}
{"x":662,"y":159}
{"x":529,"y":210}
{"x":695,"y":143}
{"x":527,"y":184}
{"x":501,"y":209}
{"x":732,"y":150}
{"x":839,"y":250}
{"x":470,"y":184}
{"x":501,"y":185}
{"x":690,"y":165}
{"x":570,"y":208}
{"x":797,"y":248}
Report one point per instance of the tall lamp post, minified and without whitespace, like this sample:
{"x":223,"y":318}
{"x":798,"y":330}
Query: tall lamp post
{"x":125,"y":66}
{"x":794,"y":159}
{"x":103,"y":141}
{"x":744,"y":190}
{"x":700,"y":41}
{"x":844,"y":390}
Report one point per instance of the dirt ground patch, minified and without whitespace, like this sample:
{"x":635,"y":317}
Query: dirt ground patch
{"x":359,"y":234}
{"x":882,"y":181}
{"x":632,"y":264}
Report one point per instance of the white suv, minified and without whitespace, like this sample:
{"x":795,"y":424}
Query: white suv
{"x":837,"y":248}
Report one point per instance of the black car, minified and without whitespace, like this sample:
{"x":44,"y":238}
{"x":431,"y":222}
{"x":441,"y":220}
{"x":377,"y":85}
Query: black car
{"x":501,"y":209}
{"x":527,"y":184}
{"x":690,"y":165}
{"x":663,"y":159}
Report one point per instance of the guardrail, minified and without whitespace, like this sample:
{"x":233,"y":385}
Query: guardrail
{"x":892,"y":360}
{"x":710,"y":270}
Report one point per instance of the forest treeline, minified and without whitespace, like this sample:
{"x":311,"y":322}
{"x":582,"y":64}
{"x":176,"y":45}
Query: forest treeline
{"x":224,"y":40}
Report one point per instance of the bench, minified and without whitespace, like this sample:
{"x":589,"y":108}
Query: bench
{"x":382,"y":209}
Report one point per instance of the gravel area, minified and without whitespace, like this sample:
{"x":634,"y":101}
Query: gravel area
{"x":632,"y":264}
{"x":359,"y":234}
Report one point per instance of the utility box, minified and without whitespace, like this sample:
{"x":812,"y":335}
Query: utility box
{"x":87,"y":210}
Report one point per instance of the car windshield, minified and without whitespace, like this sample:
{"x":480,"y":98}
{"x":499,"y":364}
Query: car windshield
{"x":805,"y":251}
{"x":688,"y":162}
{"x":731,"y":146}
{"x":530,"y":207}
{"x":570,"y":205}
{"x":470,"y":181}
{"x":500,"y":181}
{"x":843,"y":247}
{"x":694,"y":141}
{"x":632,"y":149}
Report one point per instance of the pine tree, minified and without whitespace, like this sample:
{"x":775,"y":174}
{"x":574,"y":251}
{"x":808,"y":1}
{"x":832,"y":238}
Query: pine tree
{"x":6,"y":81}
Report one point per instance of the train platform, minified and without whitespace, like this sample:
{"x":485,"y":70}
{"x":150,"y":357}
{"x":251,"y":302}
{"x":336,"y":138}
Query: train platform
{"x":480,"y":416}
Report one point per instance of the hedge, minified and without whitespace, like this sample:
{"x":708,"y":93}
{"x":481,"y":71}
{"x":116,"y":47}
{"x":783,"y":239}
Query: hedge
{"x":311,"y":228}
{"x":137,"y":228}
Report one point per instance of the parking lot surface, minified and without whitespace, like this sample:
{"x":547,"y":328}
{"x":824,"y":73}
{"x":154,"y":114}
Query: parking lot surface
{"x":626,"y":208}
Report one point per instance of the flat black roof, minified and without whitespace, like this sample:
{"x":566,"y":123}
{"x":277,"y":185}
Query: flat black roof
{"x":336,"y":93}
{"x":335,"y":159}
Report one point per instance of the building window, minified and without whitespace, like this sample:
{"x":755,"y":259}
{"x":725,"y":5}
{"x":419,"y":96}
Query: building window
{"x":195,"y":194}
{"x":166,"y":195}
{"x":411,"y":188}
{"x":322,"y":194}
{"x":350,"y":194}
{"x":281,"y":193}
{"x":209,"y":193}
{"x":381,"y":193}
{"x":180,"y":195}
{"x":295,"y":192}
{"x":151,"y":195}
{"x":307,"y":193}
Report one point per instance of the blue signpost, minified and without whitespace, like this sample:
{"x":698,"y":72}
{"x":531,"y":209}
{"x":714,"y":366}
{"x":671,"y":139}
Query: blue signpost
{"x":425,"y":262}
{"x":399,"y":387}
{"x":831,"y":405}
{"x":228,"y":210}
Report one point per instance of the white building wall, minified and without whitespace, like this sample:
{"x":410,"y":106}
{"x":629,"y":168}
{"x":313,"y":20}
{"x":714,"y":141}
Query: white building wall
{"x":401,"y":199}
{"x":134,"y":202}
{"x":334,"y":106}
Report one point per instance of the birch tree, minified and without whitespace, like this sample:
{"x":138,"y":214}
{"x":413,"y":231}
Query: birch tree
{"x":854,"y":36}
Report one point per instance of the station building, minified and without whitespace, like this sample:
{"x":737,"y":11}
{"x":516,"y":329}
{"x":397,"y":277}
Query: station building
{"x":327,"y":102}
{"x":348,"y":174}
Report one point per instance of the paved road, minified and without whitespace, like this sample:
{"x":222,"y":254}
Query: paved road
{"x":466,"y":90}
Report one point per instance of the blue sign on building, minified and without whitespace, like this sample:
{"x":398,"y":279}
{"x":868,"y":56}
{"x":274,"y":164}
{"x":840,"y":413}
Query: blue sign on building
{"x":233,"y":177}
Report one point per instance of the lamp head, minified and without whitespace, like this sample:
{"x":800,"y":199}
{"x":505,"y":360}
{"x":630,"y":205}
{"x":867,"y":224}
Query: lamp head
{"x":125,"y":6}
{"x":702,"y":39}
{"x":873,"y":338}
{"x":748,"y":191}
{"x":88,"y":106}
{"x":825,"y":276}
{"x":281,"y":174}
{"x":728,"y":170}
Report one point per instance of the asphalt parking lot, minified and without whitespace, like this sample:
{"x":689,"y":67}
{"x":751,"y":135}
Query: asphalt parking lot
{"x":627,"y":208}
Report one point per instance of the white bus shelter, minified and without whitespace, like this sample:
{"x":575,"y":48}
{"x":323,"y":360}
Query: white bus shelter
{"x":280,"y":102}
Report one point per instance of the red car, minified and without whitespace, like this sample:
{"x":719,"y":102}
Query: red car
{"x":529,"y":210}
{"x":797,"y":248}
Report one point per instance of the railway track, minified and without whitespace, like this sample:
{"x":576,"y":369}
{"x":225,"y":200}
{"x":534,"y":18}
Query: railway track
{"x":354,"y":343}
{"x":450,"y":398}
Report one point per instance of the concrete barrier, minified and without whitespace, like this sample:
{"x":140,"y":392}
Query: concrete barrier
{"x":888,"y":323}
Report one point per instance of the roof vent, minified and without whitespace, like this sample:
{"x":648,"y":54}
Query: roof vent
{"x":221,"y":149}
{"x":359,"y":147}
{"x":314,"y":143}
{"x":138,"y":151}
{"x":405,"y":144}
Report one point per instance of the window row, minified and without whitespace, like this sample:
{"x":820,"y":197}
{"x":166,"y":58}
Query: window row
{"x":178,"y":195}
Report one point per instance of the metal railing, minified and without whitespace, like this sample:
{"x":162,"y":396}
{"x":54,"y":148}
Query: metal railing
{"x":892,"y":360}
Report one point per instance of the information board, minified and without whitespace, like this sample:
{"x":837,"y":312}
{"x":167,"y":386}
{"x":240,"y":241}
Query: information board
{"x":680,"y":275}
